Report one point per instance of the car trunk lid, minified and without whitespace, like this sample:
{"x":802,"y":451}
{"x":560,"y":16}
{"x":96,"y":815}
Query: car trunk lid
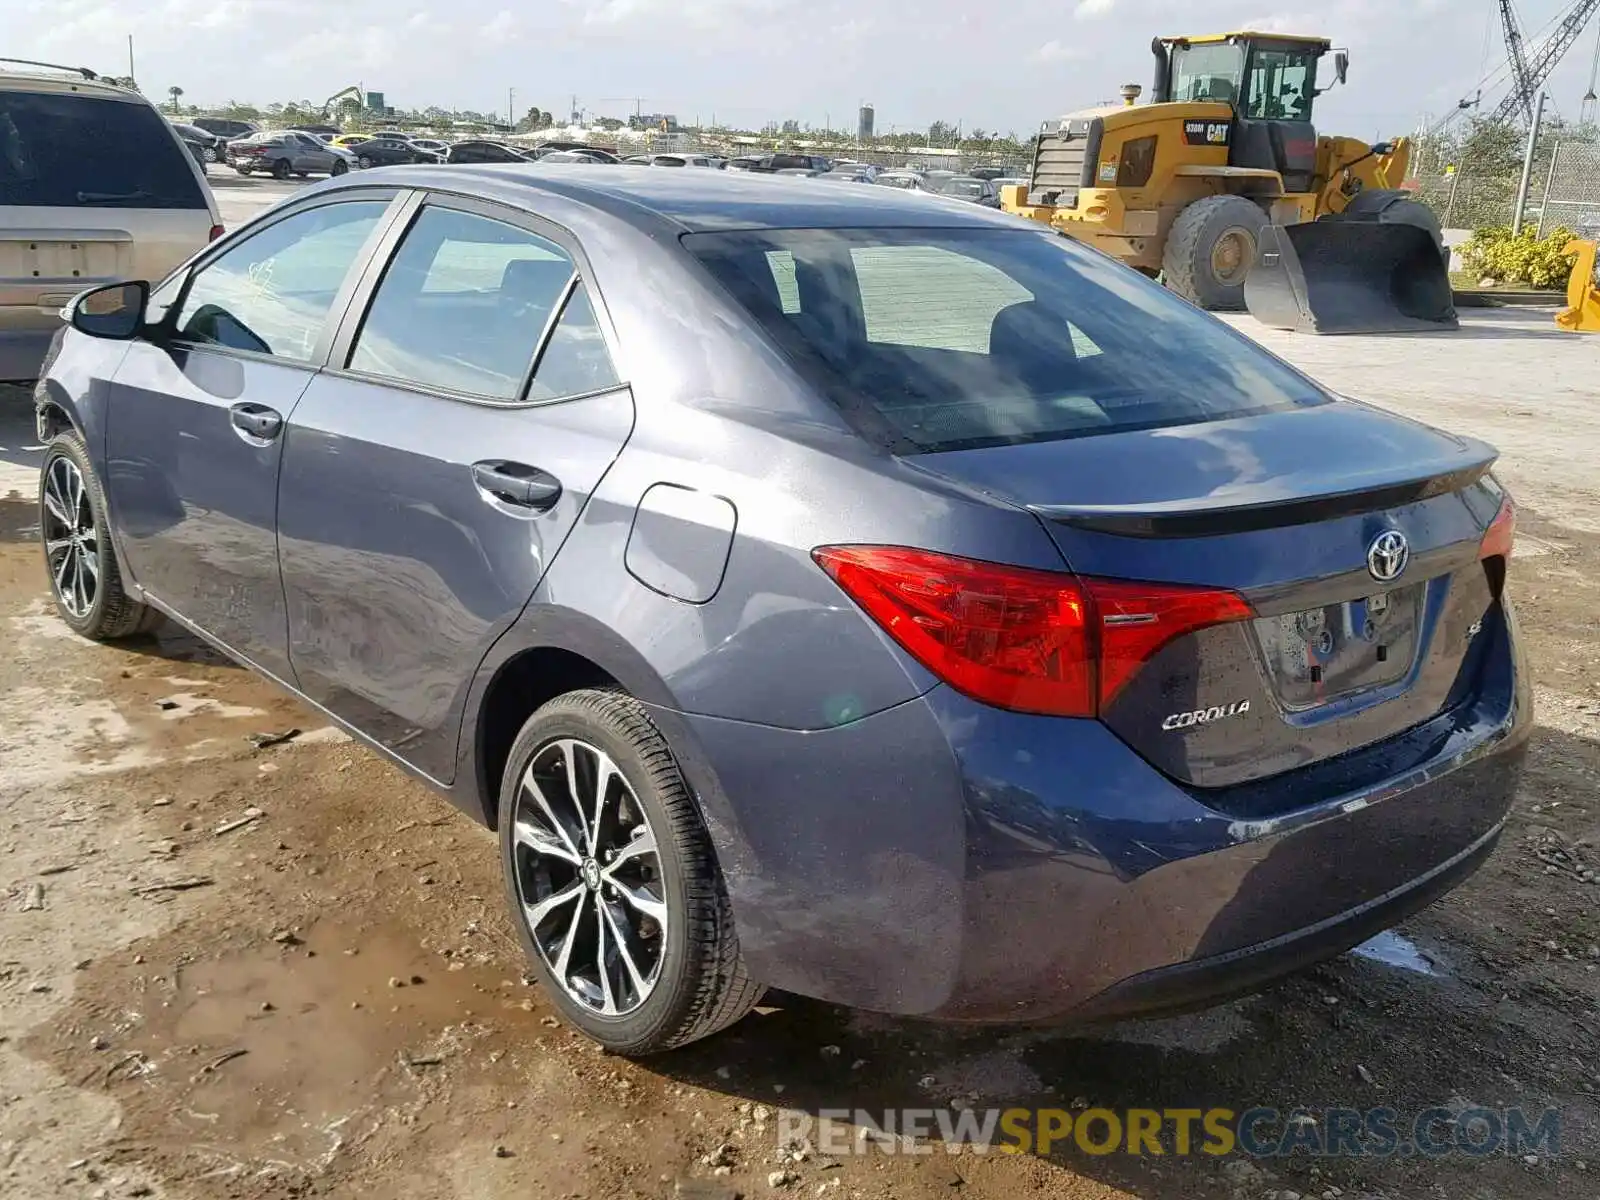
{"x":1288,"y":509}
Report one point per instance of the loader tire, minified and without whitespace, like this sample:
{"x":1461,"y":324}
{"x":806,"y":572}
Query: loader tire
{"x":1210,"y":250}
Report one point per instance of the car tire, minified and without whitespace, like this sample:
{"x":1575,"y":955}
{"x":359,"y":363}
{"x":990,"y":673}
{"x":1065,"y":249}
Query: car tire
{"x":365,"y":163}
{"x":85,"y":578}
{"x":339,"y":168}
{"x":280,"y":169}
{"x":219,"y":154}
{"x":684,"y":978}
{"x":302,"y":174}
{"x":1210,"y":250}
{"x":242,"y":170}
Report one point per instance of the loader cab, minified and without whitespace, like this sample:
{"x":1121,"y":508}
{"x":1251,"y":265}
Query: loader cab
{"x":1269,"y":80}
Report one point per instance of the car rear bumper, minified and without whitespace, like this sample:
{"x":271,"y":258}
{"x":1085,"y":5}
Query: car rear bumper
{"x":950,"y":860}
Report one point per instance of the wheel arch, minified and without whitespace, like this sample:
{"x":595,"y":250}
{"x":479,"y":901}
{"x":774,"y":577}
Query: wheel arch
{"x":548,"y":652}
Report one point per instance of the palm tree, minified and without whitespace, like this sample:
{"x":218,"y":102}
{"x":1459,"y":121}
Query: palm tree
{"x":174,"y":92}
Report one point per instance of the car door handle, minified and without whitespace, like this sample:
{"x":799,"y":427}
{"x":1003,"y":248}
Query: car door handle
{"x":514,"y":483}
{"x":256,"y":421}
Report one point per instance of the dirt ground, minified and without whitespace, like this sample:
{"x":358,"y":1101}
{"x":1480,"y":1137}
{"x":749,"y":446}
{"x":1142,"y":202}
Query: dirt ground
{"x":286,"y":972}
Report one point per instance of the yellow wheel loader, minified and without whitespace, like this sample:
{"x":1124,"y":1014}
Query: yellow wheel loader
{"x":1582,"y":314}
{"x":1222,"y":186}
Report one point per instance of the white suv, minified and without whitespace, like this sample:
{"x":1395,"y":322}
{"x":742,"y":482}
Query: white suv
{"x":94,"y":187}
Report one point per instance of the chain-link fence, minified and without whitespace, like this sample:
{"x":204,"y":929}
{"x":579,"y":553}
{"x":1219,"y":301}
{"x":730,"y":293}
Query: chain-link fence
{"x":1563,"y":191}
{"x":1571,"y":195}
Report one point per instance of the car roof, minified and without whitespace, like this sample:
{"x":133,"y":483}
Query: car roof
{"x":673,"y":202}
{"x":65,"y":79}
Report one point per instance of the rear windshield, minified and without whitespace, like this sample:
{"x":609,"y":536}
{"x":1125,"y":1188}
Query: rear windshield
{"x":945,"y":339}
{"x":61,"y":150}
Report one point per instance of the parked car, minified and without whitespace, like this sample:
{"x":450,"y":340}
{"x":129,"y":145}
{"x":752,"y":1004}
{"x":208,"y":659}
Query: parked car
{"x":744,"y":162}
{"x":906,"y":181}
{"x":973,"y":190}
{"x":320,"y":132}
{"x":212,"y":147}
{"x":226,"y":129}
{"x":94,"y":186}
{"x":480,"y":151}
{"x":387,"y":152}
{"x":349,"y":140}
{"x":576,"y":156}
{"x":433,"y":146}
{"x":638,"y":160}
{"x":838,"y":176}
{"x":554,"y":144}
{"x":990,"y":172}
{"x":1138,"y":669}
{"x":679,"y":160}
{"x":196,"y":141}
{"x":283,"y":153}
{"x":864,"y":172}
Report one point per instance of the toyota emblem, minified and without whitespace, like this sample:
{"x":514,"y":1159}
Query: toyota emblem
{"x":1388,"y":555}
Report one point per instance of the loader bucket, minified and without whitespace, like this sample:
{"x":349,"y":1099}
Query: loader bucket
{"x":1350,"y":276}
{"x":1582,"y":314}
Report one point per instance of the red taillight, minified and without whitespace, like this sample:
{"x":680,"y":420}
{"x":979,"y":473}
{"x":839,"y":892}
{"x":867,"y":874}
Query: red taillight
{"x":1137,"y":619}
{"x":216,"y":232}
{"x":1502,"y":530}
{"x":1034,"y":641}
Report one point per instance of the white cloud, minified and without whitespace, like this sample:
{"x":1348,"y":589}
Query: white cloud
{"x":1087,"y":10}
{"x":502,"y":27}
{"x":1055,"y":51}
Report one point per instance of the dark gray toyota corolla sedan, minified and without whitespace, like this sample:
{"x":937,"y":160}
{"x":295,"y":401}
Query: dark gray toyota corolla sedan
{"x":821,"y":589}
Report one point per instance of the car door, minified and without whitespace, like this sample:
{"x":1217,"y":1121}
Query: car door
{"x":432,"y":471}
{"x":195,"y":416}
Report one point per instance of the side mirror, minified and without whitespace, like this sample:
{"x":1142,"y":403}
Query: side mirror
{"x":1341,"y":65}
{"x":115,"y":311}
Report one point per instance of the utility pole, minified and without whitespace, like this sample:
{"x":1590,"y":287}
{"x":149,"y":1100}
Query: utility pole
{"x":511,"y":107}
{"x":1527,"y":166}
{"x":131,"y":76}
{"x":1549,"y":186}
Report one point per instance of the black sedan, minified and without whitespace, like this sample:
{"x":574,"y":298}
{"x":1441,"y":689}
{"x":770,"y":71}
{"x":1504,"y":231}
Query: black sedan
{"x":386,"y":152}
{"x":485,"y":152}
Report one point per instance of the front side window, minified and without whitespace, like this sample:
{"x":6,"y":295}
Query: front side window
{"x":66,"y":150}
{"x":463,"y":305}
{"x":1281,"y":85}
{"x":1210,"y":72}
{"x":272,"y":292}
{"x":955,"y":338}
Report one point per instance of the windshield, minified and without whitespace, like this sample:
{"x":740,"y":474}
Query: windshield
{"x":59,"y":150}
{"x":963,"y":187}
{"x":1207,"y":72}
{"x":945,"y":339}
{"x":1281,"y":85}
{"x":899,"y":181}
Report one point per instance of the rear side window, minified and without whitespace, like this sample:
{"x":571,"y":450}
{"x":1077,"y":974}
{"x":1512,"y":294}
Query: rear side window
{"x":65,"y":150}
{"x":271,"y":293}
{"x":464,"y":306}
{"x":955,"y":338}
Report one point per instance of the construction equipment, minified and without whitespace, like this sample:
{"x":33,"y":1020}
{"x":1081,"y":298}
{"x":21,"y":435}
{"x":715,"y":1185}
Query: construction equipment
{"x":1582,"y":314}
{"x":1223,"y":177}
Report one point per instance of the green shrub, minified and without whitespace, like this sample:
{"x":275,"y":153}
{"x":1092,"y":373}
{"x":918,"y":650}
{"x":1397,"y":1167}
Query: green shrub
{"x":1536,"y":262}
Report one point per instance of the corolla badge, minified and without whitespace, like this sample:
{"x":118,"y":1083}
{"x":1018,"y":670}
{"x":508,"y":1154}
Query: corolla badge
{"x":1388,"y":555}
{"x":1205,"y":716}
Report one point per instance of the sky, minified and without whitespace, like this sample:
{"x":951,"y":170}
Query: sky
{"x":746,"y":62}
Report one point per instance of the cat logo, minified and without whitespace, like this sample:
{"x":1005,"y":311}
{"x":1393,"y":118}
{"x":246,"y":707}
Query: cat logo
{"x":1206,"y":133}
